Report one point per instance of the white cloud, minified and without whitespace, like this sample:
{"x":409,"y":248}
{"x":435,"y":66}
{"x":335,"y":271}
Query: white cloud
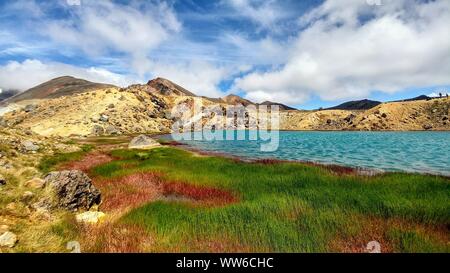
{"x":29,"y":73}
{"x":265,"y":13}
{"x":200,"y":77}
{"x":337,"y":56}
{"x":102,"y":27}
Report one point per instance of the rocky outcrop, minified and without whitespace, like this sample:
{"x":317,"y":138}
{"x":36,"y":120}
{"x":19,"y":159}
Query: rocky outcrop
{"x":168,"y":88}
{"x":8,"y":239}
{"x":143,"y":142}
{"x":73,"y":189}
{"x":90,"y":217}
{"x":97,"y":130}
{"x":29,"y":146}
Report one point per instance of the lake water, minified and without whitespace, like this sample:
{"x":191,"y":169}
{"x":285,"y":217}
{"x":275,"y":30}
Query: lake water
{"x":423,"y":152}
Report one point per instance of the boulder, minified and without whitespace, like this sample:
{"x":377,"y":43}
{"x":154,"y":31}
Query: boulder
{"x":73,"y":189}
{"x":35,"y":183}
{"x":30,"y":108}
{"x":111,"y":130}
{"x":143,"y":142}
{"x":104,"y":118}
{"x":97,"y":130}
{"x":8,"y":239}
{"x":90,"y":217}
{"x":2,"y":180}
{"x":29,"y":146}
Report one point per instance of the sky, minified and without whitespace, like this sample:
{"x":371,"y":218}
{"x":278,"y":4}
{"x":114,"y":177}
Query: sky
{"x":307,"y":54}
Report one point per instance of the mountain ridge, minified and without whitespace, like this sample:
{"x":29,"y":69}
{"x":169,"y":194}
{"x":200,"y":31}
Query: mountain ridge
{"x":57,"y":87}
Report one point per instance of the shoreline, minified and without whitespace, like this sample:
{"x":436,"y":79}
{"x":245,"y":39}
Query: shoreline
{"x":338,"y":168}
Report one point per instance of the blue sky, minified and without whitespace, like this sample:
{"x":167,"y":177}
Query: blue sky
{"x":307,"y":54}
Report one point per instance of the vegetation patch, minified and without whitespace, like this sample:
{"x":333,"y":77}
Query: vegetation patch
{"x":282,"y":206}
{"x":50,"y":163}
{"x":87,"y":162}
{"x":129,"y":191}
{"x":170,"y":200}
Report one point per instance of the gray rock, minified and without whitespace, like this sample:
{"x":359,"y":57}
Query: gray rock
{"x":143,"y":142}
{"x":104,"y":118}
{"x":30,"y":108}
{"x":29,"y":146}
{"x":43,"y":205}
{"x":111,"y":130}
{"x":73,"y":189}
{"x":8,"y":239}
{"x":3,"y":123}
{"x":98,"y":130}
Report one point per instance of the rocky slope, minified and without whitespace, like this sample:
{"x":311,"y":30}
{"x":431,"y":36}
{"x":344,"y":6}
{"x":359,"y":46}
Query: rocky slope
{"x":393,"y":116}
{"x":147,"y":109}
{"x":58,"y":87}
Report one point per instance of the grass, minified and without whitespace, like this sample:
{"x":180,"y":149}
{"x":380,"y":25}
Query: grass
{"x":49,"y":163}
{"x":284,"y":207}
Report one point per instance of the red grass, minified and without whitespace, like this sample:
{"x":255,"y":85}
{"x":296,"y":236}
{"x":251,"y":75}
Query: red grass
{"x":268,"y":161}
{"x":173,"y":143}
{"x":114,"y":238}
{"x":88,"y":162}
{"x":129,"y":191}
{"x":206,"y":194}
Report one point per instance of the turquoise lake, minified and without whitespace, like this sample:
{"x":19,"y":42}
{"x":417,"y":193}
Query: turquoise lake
{"x":422,"y":152}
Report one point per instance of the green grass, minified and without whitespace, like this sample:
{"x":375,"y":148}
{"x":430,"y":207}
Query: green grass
{"x":49,"y":163}
{"x":288,"y":207}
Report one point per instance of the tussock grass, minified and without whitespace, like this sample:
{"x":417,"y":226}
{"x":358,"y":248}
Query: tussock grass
{"x":287,"y":207}
{"x":49,"y":163}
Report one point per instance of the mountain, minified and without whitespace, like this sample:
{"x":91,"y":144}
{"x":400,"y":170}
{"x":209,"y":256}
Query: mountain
{"x":356,"y":105}
{"x":58,"y":87}
{"x":283,"y":107}
{"x":421,"y":97}
{"x":167,"y":88}
{"x":147,"y":108}
{"x":235,"y":100}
